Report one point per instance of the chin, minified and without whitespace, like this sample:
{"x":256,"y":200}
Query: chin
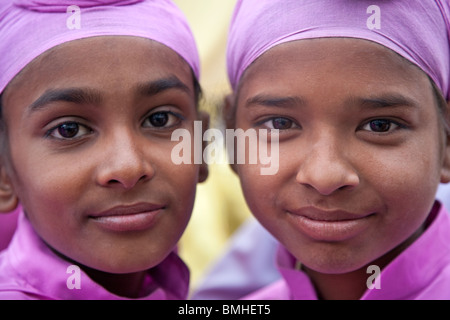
{"x":333,"y":269}
{"x":333,"y":261}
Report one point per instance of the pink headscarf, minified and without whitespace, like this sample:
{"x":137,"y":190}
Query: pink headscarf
{"x":418,"y":30}
{"x":30,"y":27}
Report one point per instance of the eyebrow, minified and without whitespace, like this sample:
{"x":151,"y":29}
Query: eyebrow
{"x":274,"y":101}
{"x":74,"y":95}
{"x":94,"y":97}
{"x":381,"y":101}
{"x":388,"y":100}
{"x":155,"y":87}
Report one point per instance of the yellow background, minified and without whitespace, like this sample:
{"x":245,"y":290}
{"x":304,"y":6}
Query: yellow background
{"x":219,"y":207}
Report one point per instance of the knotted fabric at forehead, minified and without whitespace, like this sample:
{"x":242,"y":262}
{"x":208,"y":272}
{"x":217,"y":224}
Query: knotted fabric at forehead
{"x":418,"y":30}
{"x":30,"y":27}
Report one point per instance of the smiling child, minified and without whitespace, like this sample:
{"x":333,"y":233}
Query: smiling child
{"x":90,"y":97}
{"x":357,"y":92}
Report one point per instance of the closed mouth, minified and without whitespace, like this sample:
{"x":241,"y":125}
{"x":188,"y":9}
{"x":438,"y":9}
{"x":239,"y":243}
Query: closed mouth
{"x":336,"y":225}
{"x":128,"y":217}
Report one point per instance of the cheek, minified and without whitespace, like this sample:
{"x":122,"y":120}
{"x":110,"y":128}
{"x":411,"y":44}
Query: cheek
{"x":46,"y":191}
{"x":183,"y":181}
{"x":262,"y":192}
{"x":47,"y":178}
{"x":404,"y":184}
{"x":407,"y":176}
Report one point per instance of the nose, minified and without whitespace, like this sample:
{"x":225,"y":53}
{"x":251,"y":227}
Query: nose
{"x":124,"y":163}
{"x":326,"y":169}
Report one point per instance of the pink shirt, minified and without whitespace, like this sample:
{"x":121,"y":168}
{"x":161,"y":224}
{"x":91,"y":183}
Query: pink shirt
{"x":421,"y":272}
{"x":30,"y":270}
{"x":8,"y":224}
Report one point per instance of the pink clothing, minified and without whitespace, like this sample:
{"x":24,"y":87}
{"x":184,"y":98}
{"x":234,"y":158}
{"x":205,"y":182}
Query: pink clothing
{"x":30,"y":270}
{"x":8,"y":224}
{"x":415,"y":29}
{"x":30,"y":27}
{"x":421,"y":272}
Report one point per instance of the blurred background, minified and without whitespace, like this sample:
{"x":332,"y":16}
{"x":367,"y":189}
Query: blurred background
{"x":219,"y":208}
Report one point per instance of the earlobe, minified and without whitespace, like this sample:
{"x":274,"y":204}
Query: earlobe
{"x":8,"y":198}
{"x":204,"y":171}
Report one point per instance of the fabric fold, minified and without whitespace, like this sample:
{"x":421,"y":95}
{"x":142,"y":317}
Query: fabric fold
{"x":28,"y":32}
{"x":417,"y":30}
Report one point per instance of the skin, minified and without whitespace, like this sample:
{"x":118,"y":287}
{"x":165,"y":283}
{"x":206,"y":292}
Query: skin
{"x":361,"y":138}
{"x":105,"y":142}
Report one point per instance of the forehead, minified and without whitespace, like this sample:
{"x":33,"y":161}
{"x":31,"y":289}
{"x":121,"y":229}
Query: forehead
{"x":103,"y":61}
{"x":353,"y":63}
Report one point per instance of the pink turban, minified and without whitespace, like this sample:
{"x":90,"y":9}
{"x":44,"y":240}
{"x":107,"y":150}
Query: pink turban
{"x":30,"y":27}
{"x":418,"y":30}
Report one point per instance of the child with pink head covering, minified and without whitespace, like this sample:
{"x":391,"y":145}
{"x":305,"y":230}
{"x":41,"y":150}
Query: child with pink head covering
{"x":357,"y":94}
{"x":90,"y":95}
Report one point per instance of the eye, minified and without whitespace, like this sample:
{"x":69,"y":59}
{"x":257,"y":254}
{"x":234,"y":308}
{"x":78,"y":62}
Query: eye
{"x":68,"y":130}
{"x":162,"y":119}
{"x":279,"y":123}
{"x":380,"y":125}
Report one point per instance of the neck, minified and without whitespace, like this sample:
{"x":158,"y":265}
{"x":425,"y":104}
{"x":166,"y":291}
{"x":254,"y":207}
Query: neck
{"x":125,"y":285}
{"x":346,"y":286}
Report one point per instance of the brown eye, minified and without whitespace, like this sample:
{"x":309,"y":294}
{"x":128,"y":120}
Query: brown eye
{"x":162,"y":119}
{"x":159,"y":119}
{"x":279,"y":123}
{"x":380,"y":125}
{"x":69,"y":130}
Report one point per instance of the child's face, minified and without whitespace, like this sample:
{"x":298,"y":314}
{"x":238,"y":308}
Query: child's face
{"x":89,"y":131}
{"x":361,"y":148}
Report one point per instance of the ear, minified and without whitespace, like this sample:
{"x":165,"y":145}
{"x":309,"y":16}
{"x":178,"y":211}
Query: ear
{"x":204,"y":172}
{"x":229,"y":117}
{"x":445,"y":170}
{"x":8,"y":198}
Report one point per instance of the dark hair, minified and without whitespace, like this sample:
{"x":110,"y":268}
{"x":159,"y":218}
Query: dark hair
{"x":441,"y":105}
{"x":440,"y":100}
{"x":198,"y":93}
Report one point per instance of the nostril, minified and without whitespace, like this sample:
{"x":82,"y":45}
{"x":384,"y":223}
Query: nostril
{"x":127,"y":183}
{"x":144,"y":177}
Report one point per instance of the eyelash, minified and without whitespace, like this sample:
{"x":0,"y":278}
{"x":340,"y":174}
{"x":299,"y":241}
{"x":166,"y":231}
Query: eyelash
{"x":169,"y":115}
{"x":177,"y":118}
{"x":51,"y":133}
{"x":392,"y":126}
{"x":271,"y":121}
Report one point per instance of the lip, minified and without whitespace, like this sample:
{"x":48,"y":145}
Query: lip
{"x":133,"y":217}
{"x":330,"y":226}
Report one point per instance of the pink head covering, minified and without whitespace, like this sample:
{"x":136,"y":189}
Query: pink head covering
{"x":30,"y":27}
{"x":418,"y":30}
